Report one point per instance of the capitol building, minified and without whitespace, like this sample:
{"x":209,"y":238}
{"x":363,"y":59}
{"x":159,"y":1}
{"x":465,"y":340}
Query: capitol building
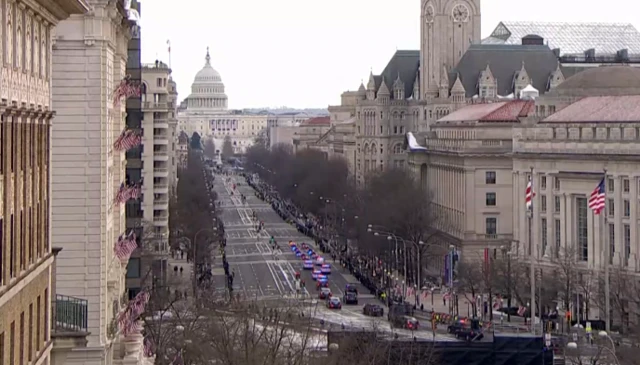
{"x":205,"y":111}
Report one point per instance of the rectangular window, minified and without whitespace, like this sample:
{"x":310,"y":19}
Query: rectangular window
{"x":38,"y":320}
{"x":21,"y":338}
{"x":545,"y":242}
{"x":12,"y":248}
{"x":490,"y":199}
{"x":12,"y":343}
{"x":543,"y":182}
{"x":627,"y":243}
{"x":611,"y":207}
{"x":556,"y":204}
{"x":30,"y":348}
{"x":610,"y":185}
{"x":558,"y":234}
{"x":626,"y":208}
{"x":46,"y":316}
{"x":625,"y":185}
{"x":490,"y":177}
{"x":612,"y":242}
{"x":556,"y":183}
{"x":491,"y":226}
{"x":582,"y":232}
{"x":133,"y":268}
{"x":543,"y":204}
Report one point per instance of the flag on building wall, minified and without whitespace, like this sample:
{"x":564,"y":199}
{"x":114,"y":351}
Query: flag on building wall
{"x":529,"y":194}
{"x":126,"y":192}
{"x":125,"y":89}
{"x":597,"y":198}
{"x":127,"y":140}
{"x":125,"y":246}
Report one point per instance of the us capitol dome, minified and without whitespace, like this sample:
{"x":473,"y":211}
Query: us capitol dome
{"x":207,"y":90}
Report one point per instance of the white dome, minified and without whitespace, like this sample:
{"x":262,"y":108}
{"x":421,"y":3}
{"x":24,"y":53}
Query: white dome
{"x":207,"y":90}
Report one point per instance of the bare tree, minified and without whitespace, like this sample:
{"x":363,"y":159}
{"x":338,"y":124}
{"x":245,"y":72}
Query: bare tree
{"x":209,"y":148}
{"x":624,"y":298}
{"x":227,"y":147}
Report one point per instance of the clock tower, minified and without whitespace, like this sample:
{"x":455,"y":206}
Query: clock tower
{"x":448,"y":28}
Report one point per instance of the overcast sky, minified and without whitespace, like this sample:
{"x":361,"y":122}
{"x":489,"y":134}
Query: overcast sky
{"x":303,"y":53}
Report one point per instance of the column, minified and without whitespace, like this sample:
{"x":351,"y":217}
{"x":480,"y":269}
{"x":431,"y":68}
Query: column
{"x":564,"y":248}
{"x":536,"y":242}
{"x":617,"y":220}
{"x":635,"y":239}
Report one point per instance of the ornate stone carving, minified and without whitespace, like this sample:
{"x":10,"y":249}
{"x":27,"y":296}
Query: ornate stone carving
{"x":9,"y":32}
{"x":44,"y":54}
{"x":28,"y":40}
{"x":19,"y":36}
{"x":36,"y":46}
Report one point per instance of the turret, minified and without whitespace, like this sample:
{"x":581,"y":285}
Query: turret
{"x":457,"y":91}
{"x":371,"y":87}
{"x":398,"y":88}
{"x":383,"y":93}
{"x":443,"y":91}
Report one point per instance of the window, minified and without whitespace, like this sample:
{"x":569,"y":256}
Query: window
{"x":543,"y":182}
{"x":22,"y":338}
{"x":626,"y":208}
{"x":30,"y":344}
{"x":558,"y":234}
{"x":12,"y":343}
{"x":625,"y":185}
{"x":611,"y":206}
{"x":543,"y":204}
{"x":159,"y":82}
{"x":582,"y":231}
{"x":133,"y":292}
{"x":556,"y":204}
{"x":38,"y":314}
{"x":556,"y":183}
{"x":612,"y":241}
{"x":626,"y":230}
{"x":491,"y":225}
{"x":490,"y":199}
{"x":133,"y":268}
{"x":610,"y":185}
{"x":545,"y":242}
{"x":490,"y":177}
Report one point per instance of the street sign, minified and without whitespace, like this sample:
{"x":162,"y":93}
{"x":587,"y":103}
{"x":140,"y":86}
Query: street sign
{"x":547,"y":339}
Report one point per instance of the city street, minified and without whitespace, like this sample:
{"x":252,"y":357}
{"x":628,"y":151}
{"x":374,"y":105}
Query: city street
{"x":258,"y":275}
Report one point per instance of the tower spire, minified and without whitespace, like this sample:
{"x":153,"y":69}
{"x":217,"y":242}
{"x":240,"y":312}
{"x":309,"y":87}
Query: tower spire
{"x":208,"y":58}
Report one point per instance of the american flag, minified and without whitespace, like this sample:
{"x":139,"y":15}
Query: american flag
{"x":529,"y":194}
{"x":126,"y":88}
{"x":128,"y":324}
{"x":149,"y":347}
{"x":136,"y":305}
{"x":135,"y":190}
{"x":522,"y":310}
{"x":127,"y":140}
{"x":122,"y":195}
{"x":125,"y":246}
{"x":597,"y":198}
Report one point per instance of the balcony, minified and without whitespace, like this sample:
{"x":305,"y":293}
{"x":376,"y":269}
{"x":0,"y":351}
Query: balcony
{"x":161,"y":139}
{"x":161,"y":204}
{"x":161,"y":188}
{"x":161,"y":123}
{"x":70,"y":322}
{"x":161,"y":220}
{"x":161,"y":155}
{"x":158,"y":105}
{"x":487,"y":146}
{"x":161,"y":172}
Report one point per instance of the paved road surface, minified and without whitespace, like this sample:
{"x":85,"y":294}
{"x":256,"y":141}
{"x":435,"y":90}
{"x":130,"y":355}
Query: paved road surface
{"x":258,"y":275}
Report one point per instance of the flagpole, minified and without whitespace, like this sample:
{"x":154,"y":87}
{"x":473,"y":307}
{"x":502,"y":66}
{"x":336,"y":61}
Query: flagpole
{"x":607,"y":249}
{"x":169,"y":50}
{"x":532,"y":269}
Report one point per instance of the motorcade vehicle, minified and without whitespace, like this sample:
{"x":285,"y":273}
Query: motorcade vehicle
{"x":324,"y":293}
{"x":325,"y":269}
{"x":314,"y":274}
{"x":334,"y":303}
{"x":307,"y":265}
{"x":350,"y":298}
{"x":373,"y":310}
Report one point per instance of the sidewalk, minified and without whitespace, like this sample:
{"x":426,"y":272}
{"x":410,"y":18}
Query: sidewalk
{"x":180,"y":280}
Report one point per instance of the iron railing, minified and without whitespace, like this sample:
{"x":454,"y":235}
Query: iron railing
{"x":70,"y":314}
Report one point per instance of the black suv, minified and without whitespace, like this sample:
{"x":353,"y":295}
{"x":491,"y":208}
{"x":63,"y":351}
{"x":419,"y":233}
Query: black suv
{"x":373,"y":310}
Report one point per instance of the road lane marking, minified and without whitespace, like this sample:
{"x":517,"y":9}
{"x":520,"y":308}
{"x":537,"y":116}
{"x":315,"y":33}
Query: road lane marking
{"x":257,"y":280}
{"x":273,"y":275}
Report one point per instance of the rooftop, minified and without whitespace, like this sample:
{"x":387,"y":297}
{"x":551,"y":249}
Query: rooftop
{"x":504,"y":111}
{"x":318,"y":121}
{"x":571,"y":38}
{"x":603,"y":109}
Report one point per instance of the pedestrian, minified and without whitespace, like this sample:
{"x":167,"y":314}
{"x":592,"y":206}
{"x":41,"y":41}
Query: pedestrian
{"x":233,"y":274}
{"x":181,"y":255}
{"x":181,"y":270}
{"x":175,"y":270}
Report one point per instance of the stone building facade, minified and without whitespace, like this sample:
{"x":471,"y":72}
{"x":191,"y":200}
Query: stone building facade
{"x":27,"y":292}
{"x":89,"y":61}
{"x":482,"y":156}
{"x":455,"y":66}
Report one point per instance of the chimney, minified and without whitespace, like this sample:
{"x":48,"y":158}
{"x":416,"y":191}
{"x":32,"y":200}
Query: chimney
{"x":532,"y":39}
